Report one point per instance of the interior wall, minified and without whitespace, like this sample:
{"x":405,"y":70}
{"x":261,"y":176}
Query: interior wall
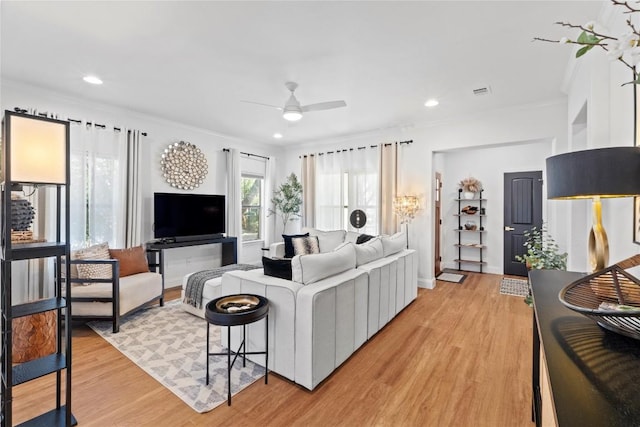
{"x":488,"y":164}
{"x":497,"y":129}
{"x":161,"y":133}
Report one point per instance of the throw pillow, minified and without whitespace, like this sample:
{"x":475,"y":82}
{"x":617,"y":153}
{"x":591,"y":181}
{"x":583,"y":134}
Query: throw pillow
{"x":288,"y":245}
{"x":394,"y":243}
{"x":305,"y":245}
{"x":308,"y":269}
{"x":132,"y":260}
{"x":369,"y":251}
{"x":91,"y":271}
{"x":276,"y":267}
{"x":363,"y":238}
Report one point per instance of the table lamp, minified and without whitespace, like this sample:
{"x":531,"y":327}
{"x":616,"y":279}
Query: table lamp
{"x":596,"y":174}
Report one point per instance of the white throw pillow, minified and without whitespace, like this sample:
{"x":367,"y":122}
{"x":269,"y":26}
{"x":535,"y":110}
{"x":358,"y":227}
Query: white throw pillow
{"x":394,"y":243}
{"x":351,"y":237}
{"x":327,"y":240}
{"x":308,"y":269}
{"x":369,"y":251}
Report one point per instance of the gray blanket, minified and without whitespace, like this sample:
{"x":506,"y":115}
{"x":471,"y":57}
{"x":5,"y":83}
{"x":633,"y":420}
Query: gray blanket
{"x":195,"y":282}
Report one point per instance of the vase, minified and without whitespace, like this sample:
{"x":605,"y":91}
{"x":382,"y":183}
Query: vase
{"x":468,"y":195}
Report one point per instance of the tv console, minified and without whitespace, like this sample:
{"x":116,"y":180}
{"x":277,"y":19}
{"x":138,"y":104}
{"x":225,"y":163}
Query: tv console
{"x":229,"y":246}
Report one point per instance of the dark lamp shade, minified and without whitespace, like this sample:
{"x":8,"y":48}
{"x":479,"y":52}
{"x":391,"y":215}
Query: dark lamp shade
{"x":603,"y":172}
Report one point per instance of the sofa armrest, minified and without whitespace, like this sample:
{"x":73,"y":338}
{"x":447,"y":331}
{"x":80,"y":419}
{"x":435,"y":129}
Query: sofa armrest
{"x":115,"y":270}
{"x":276,"y":250}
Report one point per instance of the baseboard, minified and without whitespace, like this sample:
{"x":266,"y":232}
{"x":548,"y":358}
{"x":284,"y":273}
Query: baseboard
{"x":427,"y":283}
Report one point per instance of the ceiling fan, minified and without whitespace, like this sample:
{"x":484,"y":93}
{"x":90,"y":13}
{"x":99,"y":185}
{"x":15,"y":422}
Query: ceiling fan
{"x":292,"y":110}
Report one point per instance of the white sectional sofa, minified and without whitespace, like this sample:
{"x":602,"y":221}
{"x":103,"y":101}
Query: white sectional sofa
{"x":335,"y":302}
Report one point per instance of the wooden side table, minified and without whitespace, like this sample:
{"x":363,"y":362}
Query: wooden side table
{"x":236,"y":310}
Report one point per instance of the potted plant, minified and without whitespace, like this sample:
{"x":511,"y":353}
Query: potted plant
{"x":287,"y":200}
{"x":470,"y":186}
{"x":542,"y":253}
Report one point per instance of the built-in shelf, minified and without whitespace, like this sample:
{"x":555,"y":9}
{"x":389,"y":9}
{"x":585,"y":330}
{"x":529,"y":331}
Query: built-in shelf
{"x":471,"y":245}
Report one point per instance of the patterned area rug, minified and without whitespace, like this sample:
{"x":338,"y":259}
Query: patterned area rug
{"x":515,"y":287}
{"x":170,"y":345}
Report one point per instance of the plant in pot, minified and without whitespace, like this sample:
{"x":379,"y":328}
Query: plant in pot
{"x":287,"y":200}
{"x":470,"y":186}
{"x":542,"y":253}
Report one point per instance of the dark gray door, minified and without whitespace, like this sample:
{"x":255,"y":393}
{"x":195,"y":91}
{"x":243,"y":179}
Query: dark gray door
{"x":522,"y":211}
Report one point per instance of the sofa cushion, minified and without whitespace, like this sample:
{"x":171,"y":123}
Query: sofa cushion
{"x":370,"y":251}
{"x":394,"y":243}
{"x":305,"y":245}
{"x":288,"y":245}
{"x":308,"y":269}
{"x":277,"y":267}
{"x":132,"y":260}
{"x":351,"y":237}
{"x":91,"y":271}
{"x":328,"y":240}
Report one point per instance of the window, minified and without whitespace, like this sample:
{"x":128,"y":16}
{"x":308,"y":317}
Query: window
{"x":97,"y":202}
{"x":251,"y":193}
{"x":347,"y":181}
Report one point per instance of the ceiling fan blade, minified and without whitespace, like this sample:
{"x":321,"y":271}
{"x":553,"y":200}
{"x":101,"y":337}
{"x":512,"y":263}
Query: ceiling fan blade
{"x":324,"y":106}
{"x":265,"y":105}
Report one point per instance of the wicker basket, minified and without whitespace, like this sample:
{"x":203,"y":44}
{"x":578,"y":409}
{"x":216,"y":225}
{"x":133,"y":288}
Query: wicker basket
{"x":612,"y":286}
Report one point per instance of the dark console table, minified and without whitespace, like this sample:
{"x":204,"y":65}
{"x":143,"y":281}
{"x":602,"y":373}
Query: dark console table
{"x":229,"y":247}
{"x":593,"y":374}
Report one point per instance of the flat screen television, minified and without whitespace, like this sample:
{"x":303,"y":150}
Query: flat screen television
{"x":188,"y":216}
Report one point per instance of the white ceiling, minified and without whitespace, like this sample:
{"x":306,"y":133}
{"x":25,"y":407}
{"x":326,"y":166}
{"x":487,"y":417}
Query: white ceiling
{"x":193,"y":62}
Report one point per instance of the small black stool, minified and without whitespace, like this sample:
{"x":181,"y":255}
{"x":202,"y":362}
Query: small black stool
{"x":235,"y":310}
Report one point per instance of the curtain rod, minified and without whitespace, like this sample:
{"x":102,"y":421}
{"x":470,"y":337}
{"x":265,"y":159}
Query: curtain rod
{"x":248,"y":154}
{"x":46,"y":114}
{"x":357,"y":148}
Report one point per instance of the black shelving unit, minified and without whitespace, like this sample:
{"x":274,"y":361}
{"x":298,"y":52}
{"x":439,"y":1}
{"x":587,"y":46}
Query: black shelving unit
{"x":58,"y":363}
{"x":465,"y":245}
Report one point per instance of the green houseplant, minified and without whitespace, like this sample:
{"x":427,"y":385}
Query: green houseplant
{"x":287,"y":200}
{"x":542,"y":253}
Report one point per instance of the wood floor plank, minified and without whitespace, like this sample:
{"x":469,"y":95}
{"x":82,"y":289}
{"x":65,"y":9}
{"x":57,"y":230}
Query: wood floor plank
{"x":460,"y":355}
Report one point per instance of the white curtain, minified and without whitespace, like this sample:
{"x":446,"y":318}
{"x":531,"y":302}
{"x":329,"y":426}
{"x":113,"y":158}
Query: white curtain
{"x":98,"y":157}
{"x":347,"y":180}
{"x":308,"y":180}
{"x":268,"y":222}
{"x":133,"y":213}
{"x":234,"y":197}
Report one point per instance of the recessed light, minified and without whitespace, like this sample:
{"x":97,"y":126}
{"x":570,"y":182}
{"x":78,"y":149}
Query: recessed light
{"x":431,"y":103}
{"x":277,"y":135}
{"x":92,"y":79}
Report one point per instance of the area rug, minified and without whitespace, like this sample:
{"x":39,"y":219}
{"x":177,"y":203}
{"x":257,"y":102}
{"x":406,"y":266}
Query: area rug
{"x":515,"y":287}
{"x":451,"y":277}
{"x":170,"y":345}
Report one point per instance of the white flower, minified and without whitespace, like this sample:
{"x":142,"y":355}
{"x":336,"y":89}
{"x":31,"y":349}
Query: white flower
{"x":628,"y":41}
{"x":614,"y":50}
{"x":590,"y":25}
{"x":564,"y":40}
{"x":633,"y":56}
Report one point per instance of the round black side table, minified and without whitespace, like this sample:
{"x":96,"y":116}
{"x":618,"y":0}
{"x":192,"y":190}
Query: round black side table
{"x":236,"y":310}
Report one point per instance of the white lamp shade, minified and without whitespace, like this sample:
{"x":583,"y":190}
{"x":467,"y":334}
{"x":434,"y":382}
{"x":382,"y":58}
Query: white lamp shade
{"x":38,"y":151}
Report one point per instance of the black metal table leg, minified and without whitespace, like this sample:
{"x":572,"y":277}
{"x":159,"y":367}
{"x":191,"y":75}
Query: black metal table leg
{"x":207,"y":381}
{"x":229,"y":365}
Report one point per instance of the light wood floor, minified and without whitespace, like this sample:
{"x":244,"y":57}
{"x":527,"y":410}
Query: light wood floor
{"x":460,"y":355}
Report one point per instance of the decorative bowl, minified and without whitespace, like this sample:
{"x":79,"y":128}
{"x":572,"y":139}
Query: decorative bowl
{"x":610,"y":297}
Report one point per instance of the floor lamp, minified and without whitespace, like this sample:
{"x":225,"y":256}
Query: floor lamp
{"x":595,"y":174}
{"x":406,"y":208}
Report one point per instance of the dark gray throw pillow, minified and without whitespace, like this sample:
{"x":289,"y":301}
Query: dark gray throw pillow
{"x":288,"y":245}
{"x":363,"y":238}
{"x":277,"y":267}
